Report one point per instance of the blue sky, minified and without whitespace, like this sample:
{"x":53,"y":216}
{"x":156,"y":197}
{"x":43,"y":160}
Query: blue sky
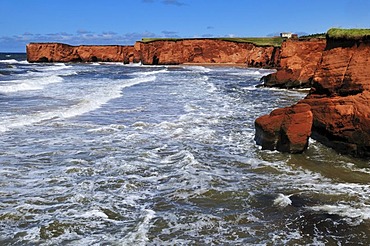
{"x":125,"y":21}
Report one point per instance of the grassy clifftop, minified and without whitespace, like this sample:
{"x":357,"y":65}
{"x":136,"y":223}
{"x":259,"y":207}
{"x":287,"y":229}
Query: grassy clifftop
{"x":265,"y":41}
{"x":354,"y":34}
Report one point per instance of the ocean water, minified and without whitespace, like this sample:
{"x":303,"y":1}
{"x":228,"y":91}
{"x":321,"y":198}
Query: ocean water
{"x":113,"y":154}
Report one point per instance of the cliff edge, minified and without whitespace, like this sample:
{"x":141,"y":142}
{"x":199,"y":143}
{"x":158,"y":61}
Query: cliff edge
{"x":212,"y":51}
{"x":339,"y":101}
{"x":253,"y":52}
{"x":297,"y":63}
{"x":58,"y":52}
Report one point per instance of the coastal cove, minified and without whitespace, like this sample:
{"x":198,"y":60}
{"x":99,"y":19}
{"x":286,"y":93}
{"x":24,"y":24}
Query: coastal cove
{"x":337,"y":105}
{"x":107,"y":153}
{"x":219,"y":141}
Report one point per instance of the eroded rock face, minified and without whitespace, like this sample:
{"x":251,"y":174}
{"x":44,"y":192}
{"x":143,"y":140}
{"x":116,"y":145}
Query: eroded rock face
{"x":286,"y":129}
{"x":159,"y":53}
{"x":342,"y":123}
{"x":339,"y":100}
{"x":297,"y":64}
{"x":343,"y":70}
{"x":57,"y":52}
{"x":206,"y":51}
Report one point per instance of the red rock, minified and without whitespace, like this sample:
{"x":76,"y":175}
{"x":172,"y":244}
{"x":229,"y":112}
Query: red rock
{"x":56,"y":52}
{"x":342,"y":123}
{"x":339,"y":99}
{"x":286,"y":130}
{"x":206,"y":51}
{"x":343,"y":70}
{"x":159,"y":52}
{"x":298,"y":62}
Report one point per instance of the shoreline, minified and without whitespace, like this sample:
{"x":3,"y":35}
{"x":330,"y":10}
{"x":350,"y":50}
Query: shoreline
{"x":205,"y":64}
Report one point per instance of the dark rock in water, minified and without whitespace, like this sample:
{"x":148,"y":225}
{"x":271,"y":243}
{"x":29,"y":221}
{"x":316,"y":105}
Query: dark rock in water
{"x":299,"y":200}
{"x":332,"y":226}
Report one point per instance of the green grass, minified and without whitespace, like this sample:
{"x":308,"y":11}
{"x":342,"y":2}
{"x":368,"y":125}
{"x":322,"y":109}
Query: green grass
{"x":339,"y":33}
{"x":265,"y":41}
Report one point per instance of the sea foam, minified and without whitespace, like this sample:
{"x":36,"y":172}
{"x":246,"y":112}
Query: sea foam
{"x":88,"y":103}
{"x":13,"y":61}
{"x":37,"y":83}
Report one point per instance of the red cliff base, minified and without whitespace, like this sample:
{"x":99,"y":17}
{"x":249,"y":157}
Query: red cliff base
{"x":339,"y":103}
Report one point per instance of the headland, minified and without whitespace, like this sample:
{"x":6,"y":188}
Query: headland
{"x":338,"y":104}
{"x":335,"y":66}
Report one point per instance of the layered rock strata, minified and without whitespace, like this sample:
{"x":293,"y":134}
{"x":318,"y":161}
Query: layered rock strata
{"x":286,"y":129}
{"x":57,"y":52}
{"x":297,"y":64}
{"x":207,"y":51}
{"x":159,"y":52}
{"x":339,"y":100}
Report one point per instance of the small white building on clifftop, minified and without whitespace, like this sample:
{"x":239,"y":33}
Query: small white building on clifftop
{"x":286,"y":34}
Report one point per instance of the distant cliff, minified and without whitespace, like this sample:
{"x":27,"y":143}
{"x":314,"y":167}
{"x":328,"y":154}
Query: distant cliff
{"x":160,"y":52}
{"x":57,"y":52}
{"x":207,"y":51}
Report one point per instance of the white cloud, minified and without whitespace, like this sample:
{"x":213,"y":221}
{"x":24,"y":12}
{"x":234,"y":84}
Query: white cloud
{"x":170,"y":34}
{"x":167,"y":2}
{"x":173,"y":2}
{"x":17,"y":43}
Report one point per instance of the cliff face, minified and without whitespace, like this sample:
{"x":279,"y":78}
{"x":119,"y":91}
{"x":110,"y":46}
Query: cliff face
{"x":206,"y":51}
{"x":344,"y":70}
{"x":297,"y":63}
{"x":339,"y":99}
{"x":278,"y":130}
{"x":159,"y":53}
{"x":56,"y":52}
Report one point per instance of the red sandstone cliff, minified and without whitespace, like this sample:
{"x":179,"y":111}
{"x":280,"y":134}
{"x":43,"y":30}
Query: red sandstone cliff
{"x":206,"y":51}
{"x":159,"y":52}
{"x":57,"y":52}
{"x":297,"y":63}
{"x":340,"y":98}
{"x":339,"y":101}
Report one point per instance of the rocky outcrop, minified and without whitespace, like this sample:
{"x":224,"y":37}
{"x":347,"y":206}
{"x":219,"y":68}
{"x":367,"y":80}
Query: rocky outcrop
{"x":342,"y":123}
{"x":343,"y":70}
{"x":57,"y":52}
{"x":286,"y":129}
{"x":339,"y":99}
{"x":164,"y":52}
{"x":160,"y":52}
{"x":297,"y":64}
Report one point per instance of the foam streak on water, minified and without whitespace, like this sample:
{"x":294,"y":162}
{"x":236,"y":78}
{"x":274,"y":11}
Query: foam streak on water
{"x":135,"y":155}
